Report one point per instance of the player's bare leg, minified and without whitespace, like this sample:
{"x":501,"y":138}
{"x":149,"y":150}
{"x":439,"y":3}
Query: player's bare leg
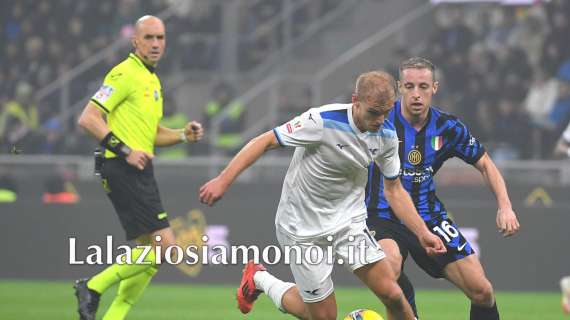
{"x":393,"y":255}
{"x":323,"y":310}
{"x":293,"y":304}
{"x":468,"y":275}
{"x":380,"y":278}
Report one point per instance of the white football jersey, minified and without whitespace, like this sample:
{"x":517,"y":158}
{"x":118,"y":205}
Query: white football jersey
{"x":325,"y":184}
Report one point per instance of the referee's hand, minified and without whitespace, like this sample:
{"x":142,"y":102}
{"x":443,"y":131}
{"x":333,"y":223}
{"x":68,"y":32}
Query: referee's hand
{"x":193,"y":131}
{"x":139,"y":159}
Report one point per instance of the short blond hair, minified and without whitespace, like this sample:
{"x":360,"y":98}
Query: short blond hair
{"x":375,"y":86}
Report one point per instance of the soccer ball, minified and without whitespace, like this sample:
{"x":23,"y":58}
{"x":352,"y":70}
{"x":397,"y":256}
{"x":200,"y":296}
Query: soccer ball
{"x":363,"y":314}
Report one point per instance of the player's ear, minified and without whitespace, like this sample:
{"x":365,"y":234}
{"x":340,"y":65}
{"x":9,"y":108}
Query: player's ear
{"x":435,"y":86}
{"x":354,"y":98}
{"x":399,"y":85}
{"x":134,"y":42}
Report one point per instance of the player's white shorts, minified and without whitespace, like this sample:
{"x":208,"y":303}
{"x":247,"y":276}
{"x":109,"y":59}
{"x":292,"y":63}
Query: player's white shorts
{"x":352,"y":247}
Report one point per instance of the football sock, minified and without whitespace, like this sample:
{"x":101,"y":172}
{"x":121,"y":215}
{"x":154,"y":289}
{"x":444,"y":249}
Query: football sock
{"x":273,"y":287}
{"x":117,"y":272}
{"x":409,"y":293}
{"x":484,"y":313}
{"x":130,"y":290}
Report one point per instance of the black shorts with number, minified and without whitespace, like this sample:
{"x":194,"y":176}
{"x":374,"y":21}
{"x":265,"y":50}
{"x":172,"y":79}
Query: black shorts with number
{"x":135,"y":197}
{"x":457,"y":246}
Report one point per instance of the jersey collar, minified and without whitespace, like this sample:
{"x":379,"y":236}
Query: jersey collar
{"x":398,"y":110}
{"x":141,"y":63}
{"x":351,"y":121}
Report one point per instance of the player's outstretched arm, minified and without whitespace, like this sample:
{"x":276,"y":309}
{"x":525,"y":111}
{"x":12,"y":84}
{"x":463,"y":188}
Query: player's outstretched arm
{"x":404,"y":209}
{"x":507,"y":221}
{"x":193,"y":132}
{"x":214,"y":189}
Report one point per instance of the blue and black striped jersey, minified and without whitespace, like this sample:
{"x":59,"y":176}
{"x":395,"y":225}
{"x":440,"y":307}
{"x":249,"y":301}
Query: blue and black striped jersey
{"x":422,"y":153}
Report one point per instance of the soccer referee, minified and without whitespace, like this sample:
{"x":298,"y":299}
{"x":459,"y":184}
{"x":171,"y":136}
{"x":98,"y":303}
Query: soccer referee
{"x":131,"y":102}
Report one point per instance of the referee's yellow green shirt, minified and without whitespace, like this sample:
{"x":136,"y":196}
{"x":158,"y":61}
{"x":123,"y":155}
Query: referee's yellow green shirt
{"x":131,"y":97}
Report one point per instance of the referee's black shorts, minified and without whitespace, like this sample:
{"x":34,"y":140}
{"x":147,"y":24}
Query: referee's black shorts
{"x":135,"y":197}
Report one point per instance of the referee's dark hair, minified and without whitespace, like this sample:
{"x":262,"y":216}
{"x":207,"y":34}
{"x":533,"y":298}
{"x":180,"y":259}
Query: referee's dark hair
{"x":417,"y":63}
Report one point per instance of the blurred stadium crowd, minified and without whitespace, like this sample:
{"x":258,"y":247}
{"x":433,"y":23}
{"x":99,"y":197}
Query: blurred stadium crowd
{"x":504,"y":70}
{"x":42,"y":40}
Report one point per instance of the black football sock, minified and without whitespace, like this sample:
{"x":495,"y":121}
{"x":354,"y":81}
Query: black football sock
{"x":484,"y":313}
{"x":409,"y":292}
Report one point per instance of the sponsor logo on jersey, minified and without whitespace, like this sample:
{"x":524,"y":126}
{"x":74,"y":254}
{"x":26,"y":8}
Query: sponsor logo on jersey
{"x":418,"y":175}
{"x":407,"y":172}
{"x":414,"y":157}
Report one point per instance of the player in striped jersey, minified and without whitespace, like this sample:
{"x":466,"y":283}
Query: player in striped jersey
{"x":428,"y":137}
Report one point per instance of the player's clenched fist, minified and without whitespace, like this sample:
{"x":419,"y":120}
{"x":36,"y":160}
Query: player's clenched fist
{"x":212,"y":191}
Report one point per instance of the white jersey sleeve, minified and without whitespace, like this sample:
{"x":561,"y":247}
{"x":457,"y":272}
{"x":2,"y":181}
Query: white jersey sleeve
{"x":389,"y":160}
{"x":304,"y":130}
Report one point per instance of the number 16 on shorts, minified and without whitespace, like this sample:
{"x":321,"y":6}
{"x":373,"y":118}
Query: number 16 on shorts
{"x":448,"y":232}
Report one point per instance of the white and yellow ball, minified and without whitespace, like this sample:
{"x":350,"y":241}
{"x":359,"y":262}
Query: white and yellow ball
{"x":363,"y":314}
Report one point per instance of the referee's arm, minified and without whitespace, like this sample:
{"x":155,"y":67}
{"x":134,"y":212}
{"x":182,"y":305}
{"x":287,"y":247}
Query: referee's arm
{"x":93,"y":121}
{"x":166,"y":137}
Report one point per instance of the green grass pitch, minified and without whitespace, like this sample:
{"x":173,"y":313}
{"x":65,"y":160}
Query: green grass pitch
{"x":55,"y":301}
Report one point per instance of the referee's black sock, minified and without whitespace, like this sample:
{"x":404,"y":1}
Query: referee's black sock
{"x":484,"y":313}
{"x":409,"y":292}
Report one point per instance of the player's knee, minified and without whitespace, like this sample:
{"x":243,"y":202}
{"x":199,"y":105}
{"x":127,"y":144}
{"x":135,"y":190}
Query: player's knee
{"x":483,"y":294}
{"x":396,"y":265}
{"x":393,"y":297}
